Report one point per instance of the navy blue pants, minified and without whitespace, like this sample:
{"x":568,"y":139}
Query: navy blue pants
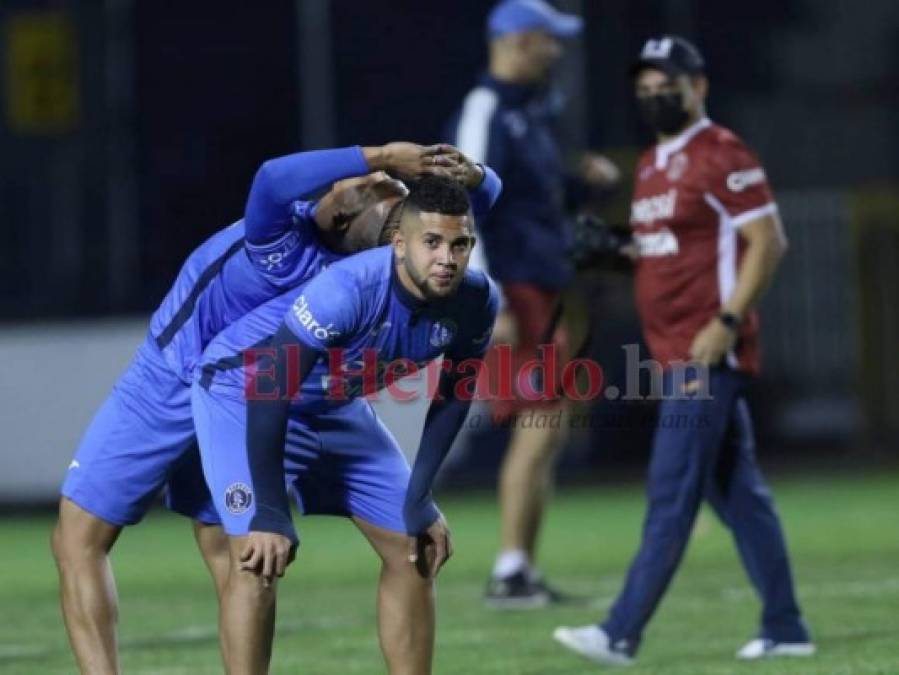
{"x":704,"y":449}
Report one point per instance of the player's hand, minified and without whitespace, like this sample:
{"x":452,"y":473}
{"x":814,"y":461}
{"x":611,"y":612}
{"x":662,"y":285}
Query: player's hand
{"x":410,"y":160}
{"x":712,"y":343}
{"x":267,"y":554}
{"x":430,"y":550}
{"x":468,"y":173}
{"x":599,"y":171}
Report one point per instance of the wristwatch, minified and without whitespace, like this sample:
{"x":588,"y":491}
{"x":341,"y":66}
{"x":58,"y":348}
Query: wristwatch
{"x":730,"y":320}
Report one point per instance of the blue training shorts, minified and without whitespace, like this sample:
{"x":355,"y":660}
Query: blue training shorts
{"x":141,"y":439}
{"x":342,"y":461}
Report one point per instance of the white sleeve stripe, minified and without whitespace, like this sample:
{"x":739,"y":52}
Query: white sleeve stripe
{"x":768,"y":209}
{"x":473,"y":132}
{"x":274,"y":243}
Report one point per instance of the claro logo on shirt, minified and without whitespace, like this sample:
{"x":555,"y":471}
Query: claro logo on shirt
{"x":656,"y":244}
{"x":307,"y":321}
{"x":657,"y":207}
{"x":740,"y":180}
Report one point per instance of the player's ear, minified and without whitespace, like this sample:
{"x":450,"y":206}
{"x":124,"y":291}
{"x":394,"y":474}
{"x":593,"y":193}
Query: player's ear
{"x":399,"y":243}
{"x":701,"y":86}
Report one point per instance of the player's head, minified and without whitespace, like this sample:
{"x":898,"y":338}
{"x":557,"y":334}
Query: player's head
{"x":526,"y":38}
{"x":356,"y":209}
{"x":670,"y":84}
{"x":434,"y":238}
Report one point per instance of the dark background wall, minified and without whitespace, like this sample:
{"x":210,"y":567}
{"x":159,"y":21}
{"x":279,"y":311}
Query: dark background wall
{"x":145,"y":120}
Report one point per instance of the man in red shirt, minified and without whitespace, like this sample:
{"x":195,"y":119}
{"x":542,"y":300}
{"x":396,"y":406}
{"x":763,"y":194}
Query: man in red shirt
{"x":707,"y":239}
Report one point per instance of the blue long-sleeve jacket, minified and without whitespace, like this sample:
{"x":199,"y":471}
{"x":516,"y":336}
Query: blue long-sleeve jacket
{"x":526,"y":235}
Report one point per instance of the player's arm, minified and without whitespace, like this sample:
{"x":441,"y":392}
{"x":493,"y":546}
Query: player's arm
{"x":445,"y":417}
{"x":281,"y":181}
{"x":327,"y":309}
{"x":739,"y":189}
{"x":272,"y":538}
{"x":423,"y":520}
{"x":765,"y":246}
{"x":483,"y":184}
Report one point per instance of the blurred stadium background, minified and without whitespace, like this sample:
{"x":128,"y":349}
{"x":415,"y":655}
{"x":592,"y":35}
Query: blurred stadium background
{"x":130,"y":131}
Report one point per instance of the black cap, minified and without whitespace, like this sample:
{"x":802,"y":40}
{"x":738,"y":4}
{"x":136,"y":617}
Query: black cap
{"x":671,"y":54}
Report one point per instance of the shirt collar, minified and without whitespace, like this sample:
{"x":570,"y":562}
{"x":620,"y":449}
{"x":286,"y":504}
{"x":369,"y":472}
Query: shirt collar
{"x":402,"y":294}
{"x":676,"y":144}
{"x":413,"y":303}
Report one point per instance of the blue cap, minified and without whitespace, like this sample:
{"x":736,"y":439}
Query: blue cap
{"x":520,"y":16}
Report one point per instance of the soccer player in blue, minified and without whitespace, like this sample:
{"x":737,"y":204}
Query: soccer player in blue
{"x":143,"y":435}
{"x":360,"y":324}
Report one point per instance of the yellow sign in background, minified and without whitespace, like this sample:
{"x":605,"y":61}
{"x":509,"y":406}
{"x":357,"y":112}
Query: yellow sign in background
{"x":42,"y":83}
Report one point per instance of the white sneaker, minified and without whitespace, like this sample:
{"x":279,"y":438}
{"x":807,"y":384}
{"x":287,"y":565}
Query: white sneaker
{"x":591,"y":642}
{"x":762,"y":648}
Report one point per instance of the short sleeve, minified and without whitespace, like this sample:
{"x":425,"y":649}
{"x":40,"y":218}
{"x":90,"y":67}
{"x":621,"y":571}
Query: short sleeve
{"x":737,"y":183}
{"x":327,"y":311}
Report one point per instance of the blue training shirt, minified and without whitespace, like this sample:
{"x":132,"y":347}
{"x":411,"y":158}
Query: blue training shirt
{"x":358,"y":304}
{"x":274,"y":247}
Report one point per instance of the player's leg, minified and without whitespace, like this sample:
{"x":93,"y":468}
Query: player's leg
{"x":528,"y":467}
{"x":405,"y":603}
{"x":118,"y":470}
{"x":349,"y":464}
{"x":213,"y":544}
{"x":188,"y":494}
{"x":247,"y":606}
{"x":688,"y":434}
{"x":738,"y":492}
{"x":525,"y":482}
{"x":247,"y":617}
{"x":81,"y":543}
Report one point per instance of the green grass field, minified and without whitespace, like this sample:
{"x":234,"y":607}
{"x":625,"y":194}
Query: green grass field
{"x":844,"y":536}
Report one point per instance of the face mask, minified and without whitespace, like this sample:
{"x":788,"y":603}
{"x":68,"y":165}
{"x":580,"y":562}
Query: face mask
{"x":664,"y":112}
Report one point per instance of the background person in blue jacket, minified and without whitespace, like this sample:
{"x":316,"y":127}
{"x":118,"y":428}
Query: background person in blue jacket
{"x":506,"y":121}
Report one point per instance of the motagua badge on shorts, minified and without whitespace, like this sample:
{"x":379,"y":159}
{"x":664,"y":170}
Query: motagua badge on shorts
{"x":238,"y":498}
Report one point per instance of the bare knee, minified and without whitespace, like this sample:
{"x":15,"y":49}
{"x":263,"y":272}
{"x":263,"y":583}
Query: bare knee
{"x":393,"y":550}
{"x":80,"y":537}
{"x":250,"y":588}
{"x":395,"y":563}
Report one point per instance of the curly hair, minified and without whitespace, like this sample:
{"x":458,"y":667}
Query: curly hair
{"x":431,"y":194}
{"x":438,"y":194}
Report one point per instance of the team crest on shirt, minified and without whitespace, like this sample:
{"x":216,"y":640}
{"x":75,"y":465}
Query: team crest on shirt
{"x":238,"y":498}
{"x":442,"y":333}
{"x":677,"y":166}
